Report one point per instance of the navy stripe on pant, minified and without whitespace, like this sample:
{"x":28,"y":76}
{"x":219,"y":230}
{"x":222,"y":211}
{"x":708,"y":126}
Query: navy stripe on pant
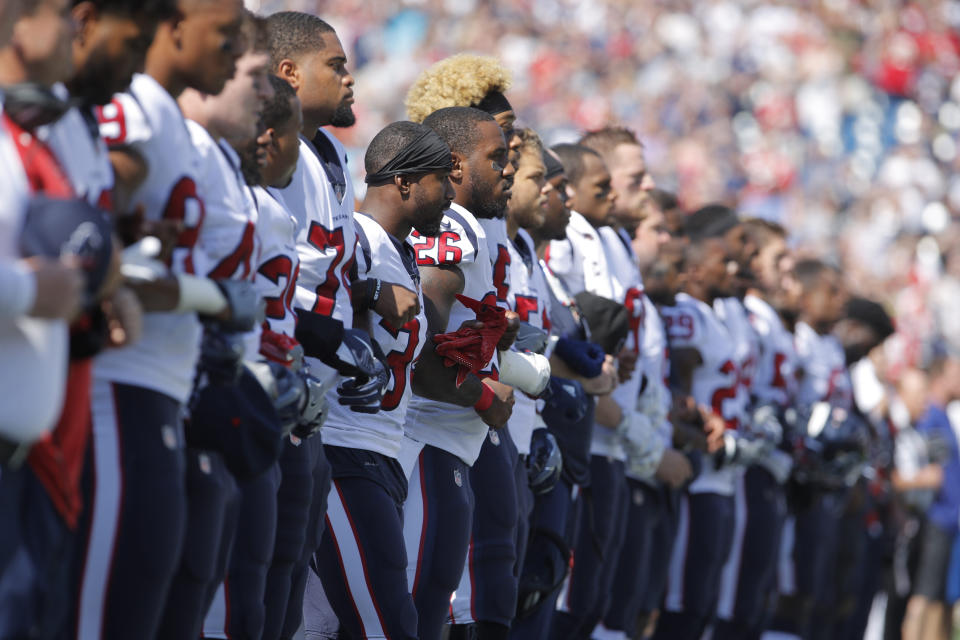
{"x":437,"y":520}
{"x":139,"y":511}
{"x":488,"y":587}
{"x":293,"y":510}
{"x":631,"y":580}
{"x":602,"y":522}
{"x":362,"y":562}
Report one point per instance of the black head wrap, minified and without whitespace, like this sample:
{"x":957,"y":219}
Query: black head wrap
{"x":552,"y":163}
{"x":424,"y":154}
{"x":494,"y":103}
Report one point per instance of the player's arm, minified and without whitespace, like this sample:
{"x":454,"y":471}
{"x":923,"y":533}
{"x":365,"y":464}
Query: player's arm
{"x":431,"y":377}
{"x":395,"y":303}
{"x":130,"y":169}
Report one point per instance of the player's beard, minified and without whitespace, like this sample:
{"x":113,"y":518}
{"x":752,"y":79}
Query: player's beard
{"x":484,"y":204}
{"x":343,"y":117}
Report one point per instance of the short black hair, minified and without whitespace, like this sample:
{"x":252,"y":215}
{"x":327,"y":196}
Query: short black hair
{"x":807,"y":270}
{"x":155,"y":9}
{"x":389,"y":142}
{"x":710,"y":221}
{"x":293,"y":34}
{"x":457,"y":126}
{"x":872,"y":314}
{"x":571,"y":155}
{"x":277,"y":111}
{"x":666,"y":200}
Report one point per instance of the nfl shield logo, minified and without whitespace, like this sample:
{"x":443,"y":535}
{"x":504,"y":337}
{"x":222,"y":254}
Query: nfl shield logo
{"x":494,"y":437}
{"x":457,"y":478}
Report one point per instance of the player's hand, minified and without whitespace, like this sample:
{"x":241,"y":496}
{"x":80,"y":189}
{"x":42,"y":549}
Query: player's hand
{"x":606,"y":382}
{"x":497,"y":414}
{"x":627,"y":363}
{"x":930,"y":476}
{"x":397,"y":304}
{"x":714,"y":426}
{"x":59,"y":288}
{"x":674,"y":469}
{"x":513,"y":326}
{"x":124,"y":317}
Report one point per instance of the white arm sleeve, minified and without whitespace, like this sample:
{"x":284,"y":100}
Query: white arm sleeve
{"x":18,"y":289}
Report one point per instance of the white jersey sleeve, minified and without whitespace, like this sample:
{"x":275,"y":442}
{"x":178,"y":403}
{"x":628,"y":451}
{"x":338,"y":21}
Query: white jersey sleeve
{"x":462,"y":243}
{"x":381,"y":256}
{"x":326,"y":236}
{"x":147,"y":119}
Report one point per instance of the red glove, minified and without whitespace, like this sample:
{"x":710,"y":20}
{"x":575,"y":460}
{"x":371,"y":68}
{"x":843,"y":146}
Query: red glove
{"x":281,"y":348}
{"x":472,"y":348}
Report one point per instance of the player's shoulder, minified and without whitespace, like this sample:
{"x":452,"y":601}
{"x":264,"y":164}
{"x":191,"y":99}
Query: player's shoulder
{"x":458,"y":241}
{"x":202,"y":141}
{"x":684,"y":319}
{"x":378,"y":251}
{"x":124,"y":120}
{"x":341,"y":149}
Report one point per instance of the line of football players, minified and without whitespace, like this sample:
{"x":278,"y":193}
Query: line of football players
{"x":515,"y":393}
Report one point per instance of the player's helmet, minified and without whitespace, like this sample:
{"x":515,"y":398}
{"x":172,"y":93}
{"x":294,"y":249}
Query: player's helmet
{"x":545,"y":463}
{"x":544,"y":570}
{"x":834,"y":447}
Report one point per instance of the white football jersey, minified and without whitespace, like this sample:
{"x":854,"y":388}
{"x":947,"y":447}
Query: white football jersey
{"x":228,"y":237}
{"x":381,"y":256}
{"x":655,"y":363}
{"x":716,"y":382}
{"x":38,"y":347}
{"x":774,"y":380}
{"x":326,"y":235}
{"x":147,"y":119}
{"x":516,"y":265}
{"x":279,"y":263}
{"x":627,"y":290}
{"x":746,"y":344}
{"x":579,"y":261}
{"x":76,"y":142}
{"x":462,"y":242}
{"x":823,"y":370}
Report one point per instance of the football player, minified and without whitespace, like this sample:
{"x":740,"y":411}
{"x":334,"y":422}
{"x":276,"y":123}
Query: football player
{"x":139,"y":391}
{"x":442,"y":440}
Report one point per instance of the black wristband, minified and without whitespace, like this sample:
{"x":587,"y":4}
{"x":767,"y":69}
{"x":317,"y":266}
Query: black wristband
{"x":377,"y":286}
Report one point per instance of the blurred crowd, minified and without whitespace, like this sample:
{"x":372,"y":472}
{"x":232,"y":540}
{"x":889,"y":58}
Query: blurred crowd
{"x":836,"y":118}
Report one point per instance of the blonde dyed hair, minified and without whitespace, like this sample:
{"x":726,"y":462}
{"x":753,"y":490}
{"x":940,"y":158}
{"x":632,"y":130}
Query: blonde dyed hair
{"x":462,"y":80}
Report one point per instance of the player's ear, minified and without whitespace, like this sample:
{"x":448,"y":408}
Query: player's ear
{"x":290,"y":71}
{"x":456,"y":174}
{"x":84,"y":16}
{"x":403,"y":185}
